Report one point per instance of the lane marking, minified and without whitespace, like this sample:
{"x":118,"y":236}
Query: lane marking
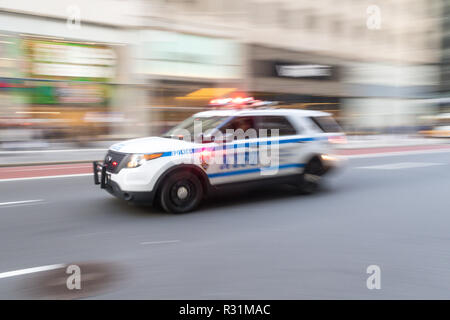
{"x":159,"y":242}
{"x":395,"y":153}
{"x":19,"y":202}
{"x":401,"y":165}
{"x":30,"y":270}
{"x":48,"y":177}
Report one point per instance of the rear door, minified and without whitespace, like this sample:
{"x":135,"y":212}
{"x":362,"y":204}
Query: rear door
{"x":281,"y":141}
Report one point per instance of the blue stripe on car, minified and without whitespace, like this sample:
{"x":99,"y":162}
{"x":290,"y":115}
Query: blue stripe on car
{"x":242,"y":145}
{"x":255,"y":170}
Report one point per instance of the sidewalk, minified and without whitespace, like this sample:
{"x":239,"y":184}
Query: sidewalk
{"x":55,"y":154}
{"x":67,"y":153}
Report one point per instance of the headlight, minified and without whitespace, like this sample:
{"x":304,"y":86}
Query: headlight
{"x":137,"y":160}
{"x":328,"y":157}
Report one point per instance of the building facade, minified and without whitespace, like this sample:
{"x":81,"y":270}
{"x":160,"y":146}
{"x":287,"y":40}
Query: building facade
{"x":372,"y":63}
{"x":383,"y":54}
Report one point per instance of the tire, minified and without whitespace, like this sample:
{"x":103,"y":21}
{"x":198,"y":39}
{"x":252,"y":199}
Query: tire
{"x":311,"y":175}
{"x":181,"y":192}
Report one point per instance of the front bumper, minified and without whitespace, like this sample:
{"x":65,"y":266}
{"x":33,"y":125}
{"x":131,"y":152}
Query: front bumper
{"x":103,"y":178}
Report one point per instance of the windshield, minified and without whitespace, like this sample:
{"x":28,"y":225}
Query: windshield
{"x":204,"y":124}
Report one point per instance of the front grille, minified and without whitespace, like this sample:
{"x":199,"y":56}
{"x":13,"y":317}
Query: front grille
{"x":112,"y":156}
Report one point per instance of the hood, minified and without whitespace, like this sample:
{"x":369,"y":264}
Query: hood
{"x":151,"y":145}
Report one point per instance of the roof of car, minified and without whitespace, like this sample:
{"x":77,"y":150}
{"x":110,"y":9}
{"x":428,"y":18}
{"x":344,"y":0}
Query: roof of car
{"x":254,"y":112}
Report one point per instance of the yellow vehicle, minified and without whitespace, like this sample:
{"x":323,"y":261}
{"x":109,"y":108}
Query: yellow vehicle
{"x":441,"y":128}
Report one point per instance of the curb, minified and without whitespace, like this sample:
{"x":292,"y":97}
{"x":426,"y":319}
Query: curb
{"x":6,"y":165}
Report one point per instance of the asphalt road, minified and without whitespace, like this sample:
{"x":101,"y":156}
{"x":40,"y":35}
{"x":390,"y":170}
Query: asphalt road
{"x":391,"y":211}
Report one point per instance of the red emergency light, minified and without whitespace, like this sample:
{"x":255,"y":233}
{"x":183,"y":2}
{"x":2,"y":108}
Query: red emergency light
{"x":232,"y":101}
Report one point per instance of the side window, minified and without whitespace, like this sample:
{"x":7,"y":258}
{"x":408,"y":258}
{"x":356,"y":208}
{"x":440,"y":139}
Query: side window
{"x":283,"y":125}
{"x":326,"y":124}
{"x":246,"y":124}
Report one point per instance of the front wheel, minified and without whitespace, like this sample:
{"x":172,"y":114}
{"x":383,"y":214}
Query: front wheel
{"x":181,"y":192}
{"x":310,"y":178}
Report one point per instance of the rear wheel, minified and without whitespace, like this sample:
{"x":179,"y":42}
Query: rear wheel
{"x":181,"y":192}
{"x":311,"y":176}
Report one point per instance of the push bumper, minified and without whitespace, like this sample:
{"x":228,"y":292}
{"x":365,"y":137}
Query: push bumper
{"x":99,"y":168}
{"x":103,"y":178}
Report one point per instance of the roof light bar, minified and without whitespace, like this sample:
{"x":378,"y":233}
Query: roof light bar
{"x":241,"y":102}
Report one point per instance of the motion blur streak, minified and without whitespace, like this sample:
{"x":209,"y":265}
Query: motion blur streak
{"x":77,"y":76}
{"x":76,"y":73}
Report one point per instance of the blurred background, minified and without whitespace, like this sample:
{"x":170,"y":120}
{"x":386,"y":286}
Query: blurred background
{"x":76,"y":72}
{"x":77,"y":76}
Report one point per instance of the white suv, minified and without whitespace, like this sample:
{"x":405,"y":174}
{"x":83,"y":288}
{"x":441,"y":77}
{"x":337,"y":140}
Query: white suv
{"x":208,"y":151}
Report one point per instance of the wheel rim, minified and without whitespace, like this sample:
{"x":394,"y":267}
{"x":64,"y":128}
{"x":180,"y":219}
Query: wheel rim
{"x":182,"y":193}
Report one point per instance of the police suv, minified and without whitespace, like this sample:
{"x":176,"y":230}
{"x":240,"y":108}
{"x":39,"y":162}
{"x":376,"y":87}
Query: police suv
{"x":243,"y":143}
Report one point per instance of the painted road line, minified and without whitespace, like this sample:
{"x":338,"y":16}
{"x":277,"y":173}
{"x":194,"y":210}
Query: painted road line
{"x":18,"y":202}
{"x":159,"y":242}
{"x":48,"y":177}
{"x":392,"y":154}
{"x":388,"y":149}
{"x":401,"y":165}
{"x":30,"y":270}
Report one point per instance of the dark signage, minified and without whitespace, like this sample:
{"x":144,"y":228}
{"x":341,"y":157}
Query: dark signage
{"x":303,"y":70}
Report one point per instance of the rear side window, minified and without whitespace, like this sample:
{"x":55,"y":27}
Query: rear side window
{"x":276,"y":122}
{"x":237,"y":123}
{"x":326,"y":124}
{"x":245,"y":123}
